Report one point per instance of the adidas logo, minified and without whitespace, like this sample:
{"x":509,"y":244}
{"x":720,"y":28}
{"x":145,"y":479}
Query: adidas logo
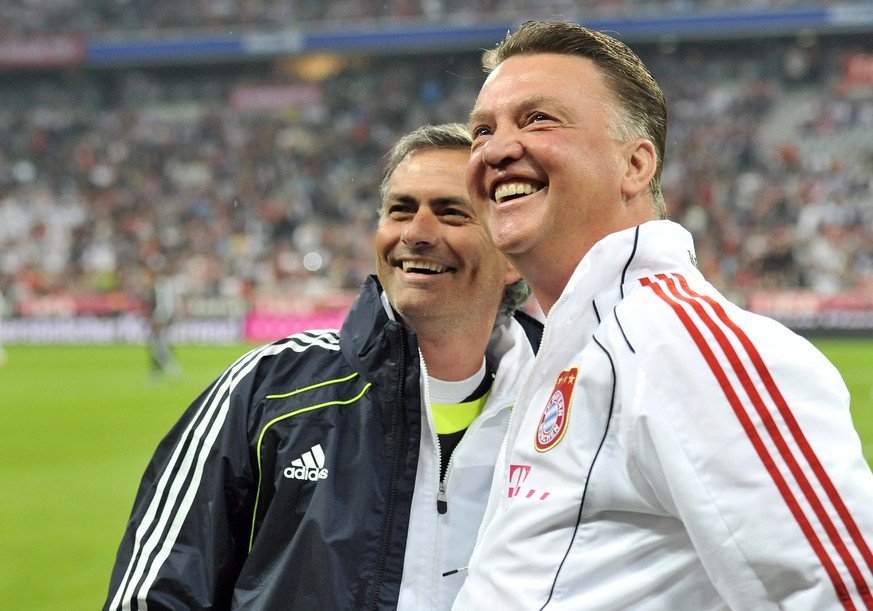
{"x":310,"y":466}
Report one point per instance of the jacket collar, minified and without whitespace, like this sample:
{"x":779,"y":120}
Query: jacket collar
{"x":370,"y":340}
{"x":372,"y":343}
{"x":612,"y":269}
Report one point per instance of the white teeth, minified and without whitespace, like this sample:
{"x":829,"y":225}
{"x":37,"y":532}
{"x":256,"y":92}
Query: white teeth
{"x":513,"y":188}
{"x":422,"y":265}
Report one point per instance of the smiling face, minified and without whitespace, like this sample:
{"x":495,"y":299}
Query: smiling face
{"x":433,"y":257}
{"x":546,"y":174}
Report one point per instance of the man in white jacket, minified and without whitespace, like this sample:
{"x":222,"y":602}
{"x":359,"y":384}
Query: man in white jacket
{"x":669,"y":450}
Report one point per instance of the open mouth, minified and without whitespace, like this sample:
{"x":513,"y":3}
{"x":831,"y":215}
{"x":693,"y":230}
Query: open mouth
{"x":422,"y":267}
{"x":509,"y":191}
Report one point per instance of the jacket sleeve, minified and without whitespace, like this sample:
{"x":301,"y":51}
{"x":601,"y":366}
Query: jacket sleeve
{"x":745,"y":434}
{"x":186,"y":536}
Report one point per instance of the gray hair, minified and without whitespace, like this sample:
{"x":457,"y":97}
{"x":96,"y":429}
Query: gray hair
{"x":444,"y":136}
{"x":426,"y":138}
{"x":515,"y":295}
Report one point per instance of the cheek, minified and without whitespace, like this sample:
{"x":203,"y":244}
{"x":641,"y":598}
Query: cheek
{"x":491,"y":262}
{"x":473,"y":175}
{"x":381,"y":252}
{"x":384,"y":240}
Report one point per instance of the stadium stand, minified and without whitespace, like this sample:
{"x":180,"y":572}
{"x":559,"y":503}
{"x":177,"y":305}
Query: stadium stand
{"x":93,"y":17}
{"x":256,"y":178}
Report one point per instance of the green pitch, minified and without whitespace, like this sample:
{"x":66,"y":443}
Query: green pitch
{"x":78,"y":425}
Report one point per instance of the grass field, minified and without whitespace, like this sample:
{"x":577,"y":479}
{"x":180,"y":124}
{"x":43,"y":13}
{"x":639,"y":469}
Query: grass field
{"x":79,"y":423}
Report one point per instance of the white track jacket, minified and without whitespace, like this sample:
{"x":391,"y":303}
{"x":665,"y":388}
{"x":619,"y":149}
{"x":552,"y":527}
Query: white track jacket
{"x":672,"y":451}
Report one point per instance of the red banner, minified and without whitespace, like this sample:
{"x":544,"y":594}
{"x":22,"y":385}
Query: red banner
{"x":96,"y":304}
{"x":42,"y":52}
{"x":261,"y":328}
{"x":859,"y":69}
{"x":274,"y":97}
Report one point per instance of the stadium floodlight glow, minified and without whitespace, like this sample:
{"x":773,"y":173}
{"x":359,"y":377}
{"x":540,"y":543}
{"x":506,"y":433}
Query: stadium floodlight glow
{"x":312,"y":261}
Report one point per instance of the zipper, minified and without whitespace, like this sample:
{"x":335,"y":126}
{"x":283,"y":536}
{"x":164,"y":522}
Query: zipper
{"x":442,"y":503}
{"x":547,"y":331}
{"x":399,"y":429}
{"x":494,"y":498}
{"x":442,"y":497}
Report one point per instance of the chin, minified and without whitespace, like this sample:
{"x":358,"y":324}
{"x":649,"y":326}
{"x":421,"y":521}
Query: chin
{"x":508,"y":242}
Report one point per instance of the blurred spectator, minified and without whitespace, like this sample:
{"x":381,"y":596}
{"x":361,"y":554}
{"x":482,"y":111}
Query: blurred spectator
{"x":3,"y":356}
{"x":163,"y":303}
{"x":28,"y":17}
{"x":250,"y":177}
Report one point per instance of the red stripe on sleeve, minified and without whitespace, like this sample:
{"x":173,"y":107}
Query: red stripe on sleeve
{"x":805,"y":448}
{"x":748,"y":426}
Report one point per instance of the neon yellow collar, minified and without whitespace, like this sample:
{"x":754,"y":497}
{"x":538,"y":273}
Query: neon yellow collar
{"x":453,"y":417}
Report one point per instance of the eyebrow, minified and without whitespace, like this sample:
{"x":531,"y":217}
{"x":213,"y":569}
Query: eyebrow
{"x":444,"y":200}
{"x":526,"y":105}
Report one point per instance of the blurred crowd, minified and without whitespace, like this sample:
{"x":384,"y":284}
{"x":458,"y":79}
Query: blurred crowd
{"x":98,"y":17}
{"x":105,"y":175}
{"x":770,"y":165}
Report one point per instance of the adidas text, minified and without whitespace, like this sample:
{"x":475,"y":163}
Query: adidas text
{"x":310,"y":466}
{"x":308,"y":473}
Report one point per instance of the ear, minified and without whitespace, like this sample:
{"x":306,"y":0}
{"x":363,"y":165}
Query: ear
{"x":642,"y":161}
{"x":512,"y":274}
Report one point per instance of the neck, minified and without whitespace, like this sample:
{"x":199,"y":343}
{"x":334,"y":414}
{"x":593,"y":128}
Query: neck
{"x":546,"y":278}
{"x":456,"y":355}
{"x":547,"y":271}
{"x":547,"y":291}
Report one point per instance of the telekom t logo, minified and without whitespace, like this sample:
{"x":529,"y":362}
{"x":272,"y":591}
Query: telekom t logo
{"x":517,"y":476}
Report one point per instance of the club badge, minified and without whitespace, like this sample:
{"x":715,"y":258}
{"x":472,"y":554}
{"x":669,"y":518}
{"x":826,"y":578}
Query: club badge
{"x":555,"y":416}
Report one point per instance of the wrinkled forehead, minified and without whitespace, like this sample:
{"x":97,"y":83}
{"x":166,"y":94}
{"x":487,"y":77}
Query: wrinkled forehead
{"x":535,"y":81}
{"x":544,"y":68}
{"x":431,"y":171}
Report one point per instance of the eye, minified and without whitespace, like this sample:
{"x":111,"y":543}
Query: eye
{"x":539,"y":117}
{"x":456,"y":212}
{"x":398,"y":211}
{"x":455,"y":215}
{"x":481,"y":130}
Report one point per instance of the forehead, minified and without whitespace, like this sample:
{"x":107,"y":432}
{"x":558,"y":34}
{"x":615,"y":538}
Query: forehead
{"x":431,"y":169}
{"x":541,"y":75}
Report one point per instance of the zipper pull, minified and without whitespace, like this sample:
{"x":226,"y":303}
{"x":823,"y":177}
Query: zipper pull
{"x":442,"y":501}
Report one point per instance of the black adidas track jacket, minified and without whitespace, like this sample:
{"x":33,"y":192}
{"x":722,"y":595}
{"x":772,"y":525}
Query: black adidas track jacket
{"x":288,"y":483}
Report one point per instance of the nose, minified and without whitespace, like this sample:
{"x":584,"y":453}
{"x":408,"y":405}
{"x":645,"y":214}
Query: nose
{"x":502,"y":147}
{"x":422,"y":229}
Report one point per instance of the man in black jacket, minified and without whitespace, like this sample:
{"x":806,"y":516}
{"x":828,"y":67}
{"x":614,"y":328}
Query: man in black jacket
{"x":348,"y":469}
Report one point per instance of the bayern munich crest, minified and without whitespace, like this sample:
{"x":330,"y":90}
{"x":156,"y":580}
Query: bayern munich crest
{"x":553,"y":422}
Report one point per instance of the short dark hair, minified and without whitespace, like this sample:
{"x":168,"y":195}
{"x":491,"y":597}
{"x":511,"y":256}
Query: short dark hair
{"x":444,"y":136}
{"x":642,"y":107}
